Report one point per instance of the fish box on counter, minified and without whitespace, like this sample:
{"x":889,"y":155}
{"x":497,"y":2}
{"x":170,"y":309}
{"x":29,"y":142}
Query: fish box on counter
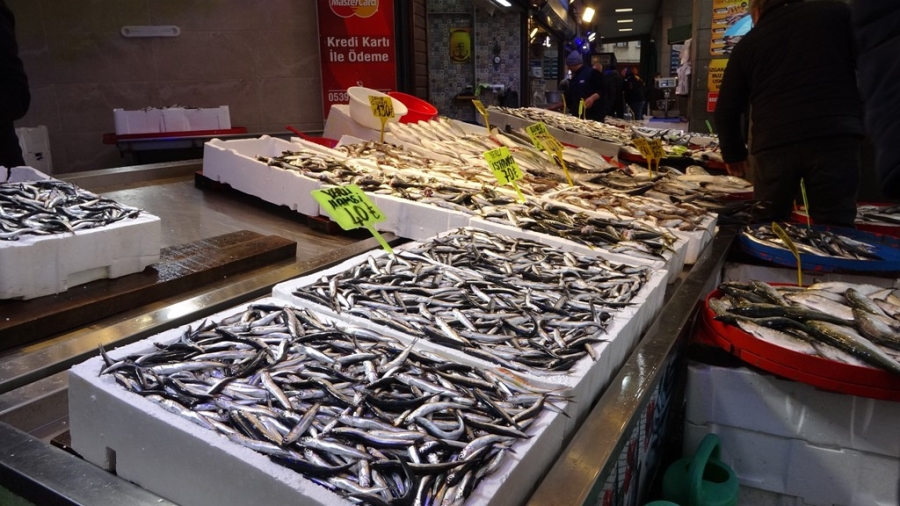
{"x":234,"y":163}
{"x":415,"y":220}
{"x":605,"y":148}
{"x":191,"y":465}
{"x":38,"y":265}
{"x":793,"y":439}
{"x":585,"y":381}
{"x":673,"y":262}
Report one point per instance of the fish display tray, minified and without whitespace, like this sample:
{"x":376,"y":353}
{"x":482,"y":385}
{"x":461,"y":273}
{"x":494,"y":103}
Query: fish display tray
{"x":585,"y":380}
{"x":886,"y":247}
{"x":795,"y":439}
{"x":234,"y":163}
{"x":800,"y":215}
{"x":500,"y":120}
{"x":817,"y":371}
{"x":673,"y":264}
{"x":35,"y":266}
{"x":138,"y":440}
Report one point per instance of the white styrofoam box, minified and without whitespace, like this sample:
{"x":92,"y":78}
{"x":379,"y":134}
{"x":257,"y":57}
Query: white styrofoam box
{"x":820,"y":475}
{"x":192,"y":466}
{"x":749,"y":496}
{"x":414,"y":220}
{"x":184,"y":119}
{"x":791,"y":438}
{"x":673,"y":264}
{"x":34,"y":266}
{"x":738,"y":396}
{"x":339,"y":123}
{"x":234,"y":162}
{"x":144,"y":121}
{"x":585,"y":380}
{"x":772,"y":274}
{"x":35,"y":144}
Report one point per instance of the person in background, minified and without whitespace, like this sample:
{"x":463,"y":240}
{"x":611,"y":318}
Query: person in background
{"x":654,"y":95}
{"x":586,"y":83}
{"x":797,"y":70}
{"x":634,"y":92}
{"x":562,"y":88}
{"x":14,"y":95}
{"x":877,"y":28}
{"x":614,"y":85}
{"x":606,"y":95}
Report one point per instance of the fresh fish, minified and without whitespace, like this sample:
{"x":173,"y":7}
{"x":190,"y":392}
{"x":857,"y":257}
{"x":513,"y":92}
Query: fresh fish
{"x":849,"y":340}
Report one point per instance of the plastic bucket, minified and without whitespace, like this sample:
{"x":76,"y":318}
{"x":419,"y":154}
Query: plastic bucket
{"x":361,"y":111}
{"x":417,"y":109}
{"x":702,"y":479}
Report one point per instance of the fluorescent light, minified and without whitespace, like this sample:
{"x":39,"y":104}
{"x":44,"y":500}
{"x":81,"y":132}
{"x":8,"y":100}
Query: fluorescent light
{"x":588,"y":15}
{"x":629,"y":9}
{"x":624,"y":29}
{"x":592,"y":36}
{"x":624,"y":21}
{"x":503,"y":3}
{"x":533,"y":31}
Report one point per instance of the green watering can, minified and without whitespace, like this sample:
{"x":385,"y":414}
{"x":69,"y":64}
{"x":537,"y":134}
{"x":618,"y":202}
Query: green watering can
{"x":701,"y":480}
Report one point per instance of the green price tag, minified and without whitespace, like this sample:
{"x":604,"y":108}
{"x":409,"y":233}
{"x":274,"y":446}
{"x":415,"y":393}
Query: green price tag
{"x":505,"y":167}
{"x":351,"y":208}
{"x":536,"y":130}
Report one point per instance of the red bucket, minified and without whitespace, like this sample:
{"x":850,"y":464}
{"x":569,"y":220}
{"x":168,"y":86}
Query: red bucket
{"x":419,"y":110}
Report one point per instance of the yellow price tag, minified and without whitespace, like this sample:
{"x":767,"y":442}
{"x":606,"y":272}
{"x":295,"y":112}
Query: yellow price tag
{"x":805,"y":202}
{"x":484,"y":112}
{"x":505,"y":167}
{"x":791,"y":246}
{"x":657,"y":148}
{"x":553,"y":147}
{"x":351,"y":208}
{"x":581,"y":108}
{"x":536,"y":130}
{"x":643,"y":146}
{"x":383,"y":109}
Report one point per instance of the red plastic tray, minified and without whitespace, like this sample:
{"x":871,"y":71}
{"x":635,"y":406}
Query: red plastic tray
{"x":816,"y":371}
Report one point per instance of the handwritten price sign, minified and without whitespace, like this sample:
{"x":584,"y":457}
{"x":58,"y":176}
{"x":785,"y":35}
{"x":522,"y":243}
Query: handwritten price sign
{"x":351,"y":208}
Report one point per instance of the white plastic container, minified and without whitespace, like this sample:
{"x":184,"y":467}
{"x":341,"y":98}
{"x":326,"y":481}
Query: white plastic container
{"x":361,"y":109}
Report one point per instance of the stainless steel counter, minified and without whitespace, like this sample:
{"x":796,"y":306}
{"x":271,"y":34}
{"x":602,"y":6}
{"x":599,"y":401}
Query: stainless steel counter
{"x":33,"y":380}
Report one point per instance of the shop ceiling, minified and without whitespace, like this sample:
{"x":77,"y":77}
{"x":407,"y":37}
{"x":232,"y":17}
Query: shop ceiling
{"x":613,"y":20}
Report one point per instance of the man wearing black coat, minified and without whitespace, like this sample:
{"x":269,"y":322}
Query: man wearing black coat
{"x":877,"y":27}
{"x":797,"y":70}
{"x":14,"y":95}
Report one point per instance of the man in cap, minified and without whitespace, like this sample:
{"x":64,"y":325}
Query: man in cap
{"x":586,"y":83}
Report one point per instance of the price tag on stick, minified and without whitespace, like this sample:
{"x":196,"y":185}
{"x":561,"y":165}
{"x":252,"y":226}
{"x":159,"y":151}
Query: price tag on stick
{"x":791,"y":246}
{"x":484,"y":113}
{"x":505,"y":168}
{"x":658,"y":154}
{"x":581,"y":108}
{"x":643,"y":146}
{"x":805,"y":202}
{"x":536,"y":130}
{"x":383,"y":109}
{"x":351,"y":208}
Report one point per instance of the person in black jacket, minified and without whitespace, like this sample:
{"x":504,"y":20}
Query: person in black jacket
{"x":615,"y":87}
{"x":797,"y":70}
{"x":14,"y":95}
{"x":586,"y":83}
{"x":877,"y":27}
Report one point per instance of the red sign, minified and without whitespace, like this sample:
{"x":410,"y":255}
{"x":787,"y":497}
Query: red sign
{"x":711,"y":99}
{"x":356,"y":47}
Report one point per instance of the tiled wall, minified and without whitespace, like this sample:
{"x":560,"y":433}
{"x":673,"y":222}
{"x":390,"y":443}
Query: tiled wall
{"x":259,"y":57}
{"x":448,"y":79}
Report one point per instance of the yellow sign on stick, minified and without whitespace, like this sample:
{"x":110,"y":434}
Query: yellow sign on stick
{"x":484,"y":113}
{"x":383,"y":109}
{"x":505,"y":168}
{"x":351,"y":208}
{"x":786,"y":239}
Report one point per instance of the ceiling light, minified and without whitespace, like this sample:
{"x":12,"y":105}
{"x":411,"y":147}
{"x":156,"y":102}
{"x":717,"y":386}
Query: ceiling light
{"x":533,"y":31}
{"x":588,"y":15}
{"x":624,"y":21}
{"x":503,"y":3}
{"x":629,"y":9}
{"x":592,"y":36}
{"x":624,"y":29}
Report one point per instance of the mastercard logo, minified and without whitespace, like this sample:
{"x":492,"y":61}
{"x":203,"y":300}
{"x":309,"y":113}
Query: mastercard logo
{"x":349,"y":8}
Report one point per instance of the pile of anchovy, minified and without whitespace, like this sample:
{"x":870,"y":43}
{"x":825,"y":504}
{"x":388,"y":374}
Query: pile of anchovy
{"x":821,"y":243}
{"x":849,"y":323}
{"x":615,"y":235}
{"x":516,"y":303}
{"x":51,"y":206}
{"x":363,"y":415}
